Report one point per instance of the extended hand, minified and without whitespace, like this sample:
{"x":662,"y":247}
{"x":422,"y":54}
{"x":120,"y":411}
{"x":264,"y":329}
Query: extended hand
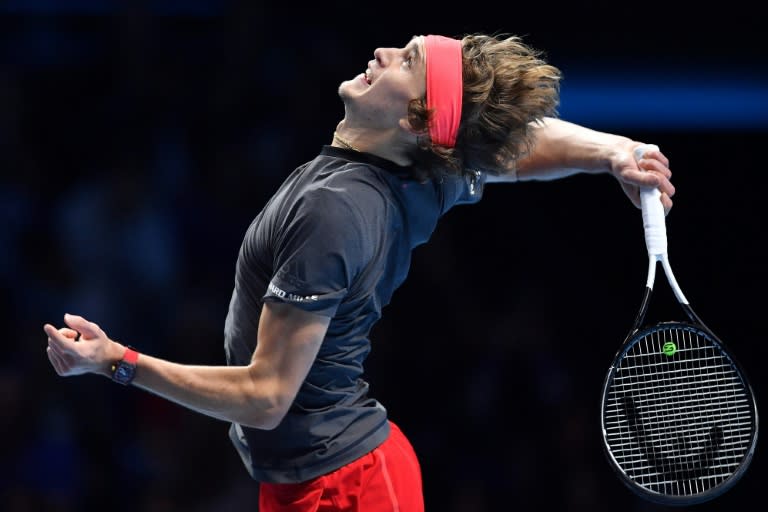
{"x":80,"y":348}
{"x":651,"y":171}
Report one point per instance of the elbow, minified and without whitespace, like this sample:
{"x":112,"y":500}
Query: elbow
{"x":261,"y":417}
{"x":267,"y":409}
{"x":272,"y":418}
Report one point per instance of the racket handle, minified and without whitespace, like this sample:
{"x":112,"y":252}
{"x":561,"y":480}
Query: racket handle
{"x":653,"y":212}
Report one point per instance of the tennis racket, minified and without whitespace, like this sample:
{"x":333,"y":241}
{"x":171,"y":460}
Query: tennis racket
{"x":678,"y":416}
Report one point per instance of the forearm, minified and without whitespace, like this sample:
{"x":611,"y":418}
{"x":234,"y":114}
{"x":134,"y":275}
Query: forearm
{"x":240,"y":394}
{"x":563,"y":149}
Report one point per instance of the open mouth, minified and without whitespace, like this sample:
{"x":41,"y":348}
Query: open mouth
{"x":368,"y":76}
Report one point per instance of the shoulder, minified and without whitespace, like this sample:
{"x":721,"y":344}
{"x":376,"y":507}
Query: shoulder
{"x":357,"y":187}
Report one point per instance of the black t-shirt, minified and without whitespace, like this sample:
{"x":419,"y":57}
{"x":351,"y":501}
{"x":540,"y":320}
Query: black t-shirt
{"x":335,"y":239}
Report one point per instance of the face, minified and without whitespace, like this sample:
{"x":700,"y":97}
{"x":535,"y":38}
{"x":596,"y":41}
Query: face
{"x":379,"y":97}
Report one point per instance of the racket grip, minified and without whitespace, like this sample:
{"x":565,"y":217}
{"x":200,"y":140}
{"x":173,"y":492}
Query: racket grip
{"x":653,"y":212}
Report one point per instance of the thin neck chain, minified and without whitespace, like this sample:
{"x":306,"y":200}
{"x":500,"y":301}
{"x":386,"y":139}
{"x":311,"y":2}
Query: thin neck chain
{"x":345,"y":143}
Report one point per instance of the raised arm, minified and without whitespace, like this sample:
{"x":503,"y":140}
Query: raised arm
{"x":563,"y":149}
{"x":257,"y":395}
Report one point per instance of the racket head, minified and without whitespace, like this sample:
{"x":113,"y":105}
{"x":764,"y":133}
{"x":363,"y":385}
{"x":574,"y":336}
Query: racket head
{"x":678,"y":416}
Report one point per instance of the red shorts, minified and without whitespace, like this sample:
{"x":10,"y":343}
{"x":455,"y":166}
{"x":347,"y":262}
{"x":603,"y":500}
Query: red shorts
{"x":388,"y":479}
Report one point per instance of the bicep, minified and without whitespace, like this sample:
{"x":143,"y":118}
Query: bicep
{"x":289,"y":339}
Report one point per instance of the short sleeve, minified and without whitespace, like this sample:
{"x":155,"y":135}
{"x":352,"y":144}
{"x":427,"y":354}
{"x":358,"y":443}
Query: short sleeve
{"x":319,"y":252}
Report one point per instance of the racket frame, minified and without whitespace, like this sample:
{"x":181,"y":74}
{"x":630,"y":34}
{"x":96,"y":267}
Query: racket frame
{"x":656,"y":243}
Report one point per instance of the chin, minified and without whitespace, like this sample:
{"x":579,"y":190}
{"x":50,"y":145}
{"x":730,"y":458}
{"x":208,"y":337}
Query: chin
{"x":345,"y":89}
{"x":353,"y":87}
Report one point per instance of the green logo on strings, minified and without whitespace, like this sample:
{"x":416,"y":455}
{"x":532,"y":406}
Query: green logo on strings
{"x":669,"y":348}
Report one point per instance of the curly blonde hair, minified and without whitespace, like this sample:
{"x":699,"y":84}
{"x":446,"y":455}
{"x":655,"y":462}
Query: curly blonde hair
{"x":507,"y":86}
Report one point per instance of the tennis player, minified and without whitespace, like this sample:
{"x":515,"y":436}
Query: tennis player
{"x":425,"y":128}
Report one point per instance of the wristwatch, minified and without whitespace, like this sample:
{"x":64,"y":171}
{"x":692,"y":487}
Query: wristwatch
{"x":124,"y":370}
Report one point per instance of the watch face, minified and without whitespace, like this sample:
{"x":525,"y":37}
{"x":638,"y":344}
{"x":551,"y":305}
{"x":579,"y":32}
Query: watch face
{"x":124,"y":373}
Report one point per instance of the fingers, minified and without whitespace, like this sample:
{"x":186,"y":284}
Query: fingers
{"x":84,"y":327}
{"x":665,"y":186}
{"x":55,"y":360}
{"x":656,"y":168}
{"x":58,"y":343}
{"x":61,"y":341}
{"x":78,"y":326}
{"x":650,"y":179}
{"x":69,"y":333}
{"x":666,"y":201}
{"x":56,"y":335}
{"x":67,"y":353}
{"x":658,"y":156}
{"x":64,"y":351}
{"x":64,"y":364}
{"x":650,"y":173}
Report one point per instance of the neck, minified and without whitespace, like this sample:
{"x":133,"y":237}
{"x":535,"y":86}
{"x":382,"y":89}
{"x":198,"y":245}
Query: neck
{"x":384,"y":145}
{"x":344,"y":143}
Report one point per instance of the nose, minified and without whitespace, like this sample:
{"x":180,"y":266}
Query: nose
{"x":383,"y":55}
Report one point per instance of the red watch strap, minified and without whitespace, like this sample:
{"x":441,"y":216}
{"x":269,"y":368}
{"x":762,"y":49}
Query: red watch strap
{"x":130,"y":356}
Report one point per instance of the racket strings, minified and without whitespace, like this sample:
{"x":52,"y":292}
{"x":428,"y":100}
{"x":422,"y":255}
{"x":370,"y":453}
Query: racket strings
{"x":678,"y":418}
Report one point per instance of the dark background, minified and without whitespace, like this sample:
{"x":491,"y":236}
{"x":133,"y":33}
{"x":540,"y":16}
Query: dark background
{"x":139,"y":139}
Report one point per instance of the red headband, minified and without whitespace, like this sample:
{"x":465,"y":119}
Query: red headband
{"x":444,"y":88}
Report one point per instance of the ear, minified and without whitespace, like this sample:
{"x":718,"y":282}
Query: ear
{"x":406,"y":125}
